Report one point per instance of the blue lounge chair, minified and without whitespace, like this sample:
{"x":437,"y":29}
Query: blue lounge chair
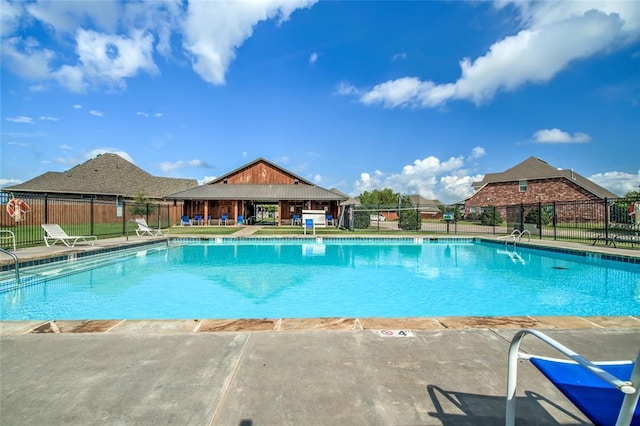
{"x":198,"y":220}
{"x":330,"y":219}
{"x":240,"y":220}
{"x":606,"y":392}
{"x":185,"y":221}
{"x":309,"y":224}
{"x":223,"y":220}
{"x":296,"y":220}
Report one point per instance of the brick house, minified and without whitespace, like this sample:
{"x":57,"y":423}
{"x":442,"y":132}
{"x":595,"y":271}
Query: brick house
{"x":533,"y":182}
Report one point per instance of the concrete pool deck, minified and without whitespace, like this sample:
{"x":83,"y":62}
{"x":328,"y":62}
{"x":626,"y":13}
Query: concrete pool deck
{"x":325,"y":371}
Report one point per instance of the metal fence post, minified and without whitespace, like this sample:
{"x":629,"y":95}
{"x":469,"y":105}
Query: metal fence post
{"x":46,"y":208}
{"x":606,"y":219}
{"x":539,"y":224}
{"x":555,"y":222}
{"x":91,"y":217}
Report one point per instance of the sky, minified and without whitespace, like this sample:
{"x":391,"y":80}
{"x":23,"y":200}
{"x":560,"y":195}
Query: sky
{"x":423,"y":97}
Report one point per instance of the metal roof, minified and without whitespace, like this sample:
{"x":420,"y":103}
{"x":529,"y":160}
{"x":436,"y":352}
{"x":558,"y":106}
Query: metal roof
{"x":254,"y":192}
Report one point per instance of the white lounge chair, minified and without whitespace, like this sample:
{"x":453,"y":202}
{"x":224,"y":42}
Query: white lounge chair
{"x":53,"y":232}
{"x":145,"y":229}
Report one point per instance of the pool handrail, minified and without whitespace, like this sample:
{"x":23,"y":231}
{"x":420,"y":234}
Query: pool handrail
{"x":15,"y":259}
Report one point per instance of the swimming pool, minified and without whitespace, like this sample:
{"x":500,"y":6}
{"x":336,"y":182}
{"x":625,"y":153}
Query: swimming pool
{"x":272,"y":278}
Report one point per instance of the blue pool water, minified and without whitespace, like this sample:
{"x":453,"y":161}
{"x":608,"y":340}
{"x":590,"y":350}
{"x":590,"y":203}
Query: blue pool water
{"x":333,"y":278}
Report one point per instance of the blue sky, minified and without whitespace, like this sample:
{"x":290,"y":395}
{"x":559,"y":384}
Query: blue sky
{"x":420,"y":96}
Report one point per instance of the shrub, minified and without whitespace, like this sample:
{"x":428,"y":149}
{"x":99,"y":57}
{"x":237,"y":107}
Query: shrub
{"x":361,"y":219}
{"x":408,"y":220}
{"x":491,"y":216}
{"x":141,"y":205}
{"x":532,"y":216}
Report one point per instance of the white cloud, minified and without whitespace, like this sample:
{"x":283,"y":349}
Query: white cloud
{"x":168,"y":166}
{"x":618,"y":182}
{"x":72,"y":79}
{"x":26,"y":58}
{"x":477,"y":152}
{"x":9,"y":16}
{"x":115,"y":41}
{"x":146,"y":114}
{"x":21,"y":119}
{"x":77,"y":106}
{"x":313,"y":58}
{"x":96,"y":113}
{"x":9,"y":182}
{"x":66,"y":16}
{"x":344,"y":88}
{"x":110,"y":59}
{"x":554,"y":34}
{"x":214,"y":30}
{"x":317,"y":178}
{"x":447,"y":181}
{"x":558,"y":136}
{"x":399,"y":56}
{"x":48,"y":118}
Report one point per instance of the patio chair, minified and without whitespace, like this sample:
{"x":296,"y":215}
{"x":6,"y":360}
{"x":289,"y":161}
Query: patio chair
{"x":223,"y":220}
{"x":296,"y":220}
{"x":239,"y":220}
{"x":53,"y":232}
{"x":185,"y":221}
{"x":144,"y":228}
{"x":309,"y":224}
{"x":606,"y":392}
{"x":198,"y":220}
{"x":330,"y":219}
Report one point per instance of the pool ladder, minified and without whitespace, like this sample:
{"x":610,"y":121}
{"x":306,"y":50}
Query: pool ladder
{"x":15,"y":259}
{"x":515,"y":236}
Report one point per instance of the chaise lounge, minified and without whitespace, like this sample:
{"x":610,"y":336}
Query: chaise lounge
{"x":53,"y":232}
{"x":606,"y":392}
{"x":144,"y":228}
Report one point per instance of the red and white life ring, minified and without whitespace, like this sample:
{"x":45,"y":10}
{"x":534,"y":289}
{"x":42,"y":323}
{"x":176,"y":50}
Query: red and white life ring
{"x":17,"y":209}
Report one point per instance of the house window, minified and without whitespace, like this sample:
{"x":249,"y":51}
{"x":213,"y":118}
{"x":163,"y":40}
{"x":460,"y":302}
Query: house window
{"x":523,"y":186}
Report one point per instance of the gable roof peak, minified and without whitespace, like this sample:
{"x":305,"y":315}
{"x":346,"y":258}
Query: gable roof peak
{"x":253,"y":163}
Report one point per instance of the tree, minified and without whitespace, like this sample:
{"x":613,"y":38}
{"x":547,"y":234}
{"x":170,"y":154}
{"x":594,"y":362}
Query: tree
{"x":379,"y":198}
{"x":545,"y":217}
{"x":141,"y":205}
{"x":620,"y":210}
{"x":408,"y":217}
{"x":491,"y":216}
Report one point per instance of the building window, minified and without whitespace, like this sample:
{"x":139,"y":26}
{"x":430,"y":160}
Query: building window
{"x":523,"y":186}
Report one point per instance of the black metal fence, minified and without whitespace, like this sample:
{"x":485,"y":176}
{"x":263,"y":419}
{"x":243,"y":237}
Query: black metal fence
{"x":76,"y":216}
{"x":608,"y":221}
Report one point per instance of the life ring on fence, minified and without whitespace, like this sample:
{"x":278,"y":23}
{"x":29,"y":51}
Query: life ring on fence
{"x":17,"y":209}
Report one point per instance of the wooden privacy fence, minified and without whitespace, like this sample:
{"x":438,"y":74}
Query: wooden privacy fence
{"x":77,"y":217}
